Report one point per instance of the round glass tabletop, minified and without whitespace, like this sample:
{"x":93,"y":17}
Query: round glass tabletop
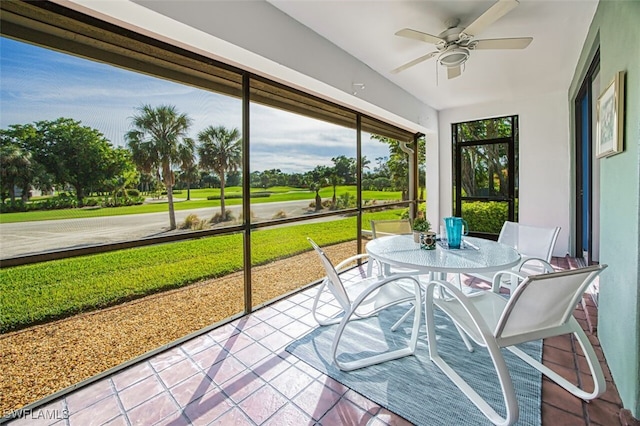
{"x":479,"y":255}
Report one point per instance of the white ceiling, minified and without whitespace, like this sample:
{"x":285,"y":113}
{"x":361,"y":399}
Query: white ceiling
{"x":365,"y":29}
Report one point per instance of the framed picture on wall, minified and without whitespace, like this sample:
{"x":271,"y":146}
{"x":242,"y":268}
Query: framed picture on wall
{"x":610,"y":118}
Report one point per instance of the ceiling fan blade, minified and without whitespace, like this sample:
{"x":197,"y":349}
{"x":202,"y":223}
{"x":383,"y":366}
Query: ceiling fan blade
{"x":504,"y":43}
{"x":491,"y":15}
{"x":419,"y":35}
{"x":415,"y":62}
{"x":454,"y":72}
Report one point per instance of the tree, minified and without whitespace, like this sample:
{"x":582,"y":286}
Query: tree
{"x":15,"y":166}
{"x":155,"y":141}
{"x":70,"y":153}
{"x":316,"y":179}
{"x":188,"y":168}
{"x":334,"y":180}
{"x":398,"y":162}
{"x":345,"y":168}
{"x":220,"y":151}
{"x":125,"y":174}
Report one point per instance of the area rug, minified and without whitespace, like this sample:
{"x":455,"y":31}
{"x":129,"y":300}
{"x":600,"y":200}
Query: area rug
{"x":415,"y":388}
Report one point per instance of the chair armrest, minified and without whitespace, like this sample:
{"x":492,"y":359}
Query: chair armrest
{"x":497,"y":279}
{"x":546,"y":266}
{"x":349,"y":260}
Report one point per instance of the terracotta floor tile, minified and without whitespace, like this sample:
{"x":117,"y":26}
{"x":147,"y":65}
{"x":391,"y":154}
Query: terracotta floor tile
{"x":558,"y":356}
{"x":252,"y":354}
{"x":50,"y":414}
{"x":234,"y":417}
{"x":558,"y":397}
{"x":386,"y":417}
{"x":603,"y":412}
{"x":334,"y":385}
{"x":208,"y":408}
{"x":280,"y":320}
{"x":140,"y":392}
{"x":346,"y":412}
{"x":259,"y":331}
{"x":132,"y":375}
{"x":89,"y":395}
{"x":242,"y":385}
{"x":225,"y":370}
{"x":179,"y":372}
{"x":192,"y":389}
{"x":291,"y":381}
{"x":275,"y":341}
{"x":222,"y":333}
{"x":210,"y":356}
{"x":262,"y":404}
{"x":120,"y":421}
{"x":167,"y":359}
{"x":289,"y":415}
{"x":296,"y":329}
{"x":237,"y":342}
{"x":556,"y":417}
{"x":153,"y":410}
{"x":270,"y":367}
{"x":198,"y":344}
{"x":560,"y":342}
{"x":101,"y":412}
{"x":316,"y":400}
{"x":362,"y":401}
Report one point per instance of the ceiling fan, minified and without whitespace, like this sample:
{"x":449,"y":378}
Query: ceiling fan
{"x":454,"y":45}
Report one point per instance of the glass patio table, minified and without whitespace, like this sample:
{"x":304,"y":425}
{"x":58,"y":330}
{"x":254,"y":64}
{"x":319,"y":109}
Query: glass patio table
{"x":479,"y":256}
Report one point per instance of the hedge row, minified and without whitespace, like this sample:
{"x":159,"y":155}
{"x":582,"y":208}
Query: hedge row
{"x":230,"y":196}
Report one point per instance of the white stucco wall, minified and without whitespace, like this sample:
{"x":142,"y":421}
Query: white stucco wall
{"x":545,"y":171}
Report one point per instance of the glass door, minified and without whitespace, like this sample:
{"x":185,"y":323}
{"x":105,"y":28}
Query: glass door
{"x":485,"y":174}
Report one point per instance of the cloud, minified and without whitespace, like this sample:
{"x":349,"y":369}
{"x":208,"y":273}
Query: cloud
{"x":39,"y":84}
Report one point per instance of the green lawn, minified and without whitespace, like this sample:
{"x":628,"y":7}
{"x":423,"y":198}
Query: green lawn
{"x":46,"y":291}
{"x":198,"y":200}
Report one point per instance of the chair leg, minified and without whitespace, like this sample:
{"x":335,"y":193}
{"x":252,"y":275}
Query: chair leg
{"x":592,"y":360}
{"x":508,"y":392}
{"x":382,"y":357}
{"x":395,"y":326}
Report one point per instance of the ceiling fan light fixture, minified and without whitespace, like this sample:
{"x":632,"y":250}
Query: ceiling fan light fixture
{"x":454,"y":57}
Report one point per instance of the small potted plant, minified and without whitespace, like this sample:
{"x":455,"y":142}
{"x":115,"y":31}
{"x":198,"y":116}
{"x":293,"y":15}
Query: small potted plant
{"x":420,"y":226}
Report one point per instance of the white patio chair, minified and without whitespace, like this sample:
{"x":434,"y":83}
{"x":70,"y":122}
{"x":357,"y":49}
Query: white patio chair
{"x":541,"y":306}
{"x":363,"y":299}
{"x":381,"y":228}
{"x":535,"y":245}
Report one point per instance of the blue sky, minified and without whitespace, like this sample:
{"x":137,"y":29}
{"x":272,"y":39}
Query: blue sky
{"x":41,"y":84}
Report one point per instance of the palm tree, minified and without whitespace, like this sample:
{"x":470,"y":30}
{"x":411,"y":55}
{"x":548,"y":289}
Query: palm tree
{"x":187,"y":163}
{"x":220,"y":151}
{"x":156,"y":140}
{"x":15,"y":171}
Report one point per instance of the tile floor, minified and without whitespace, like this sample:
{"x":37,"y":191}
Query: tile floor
{"x":240,"y":374}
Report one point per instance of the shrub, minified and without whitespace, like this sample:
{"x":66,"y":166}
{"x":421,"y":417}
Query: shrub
{"x":485,"y":216}
{"x":280,"y":215}
{"x":346,"y":201}
{"x":422,"y":211}
{"x":133,"y":193}
{"x":217,"y":218}
{"x":251,"y":213}
{"x":193,"y":222}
